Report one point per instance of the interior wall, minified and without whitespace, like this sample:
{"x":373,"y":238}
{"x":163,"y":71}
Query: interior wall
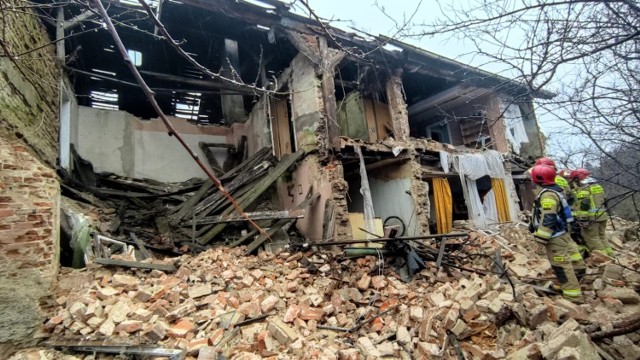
{"x":306,"y":102}
{"x":391,"y":195}
{"x":535,"y":147}
{"x":118,"y":142}
{"x":309,"y":174}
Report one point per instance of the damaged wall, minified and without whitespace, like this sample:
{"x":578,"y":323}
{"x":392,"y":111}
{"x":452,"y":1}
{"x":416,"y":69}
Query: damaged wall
{"x":535,"y":147}
{"x":29,"y":84}
{"x":391,"y":194}
{"x":398,"y":108}
{"x":306,"y":102}
{"x":29,"y":189}
{"x":116,"y":141}
{"x":308,"y":174}
{"x":29,"y":239}
{"x":257,"y":128}
{"x":420,"y":196}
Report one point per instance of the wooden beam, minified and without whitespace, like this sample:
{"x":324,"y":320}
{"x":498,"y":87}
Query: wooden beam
{"x":134,"y":264}
{"x":210,"y":84}
{"x":251,"y":196}
{"x":254,"y":216}
{"x":211,"y":159}
{"x":143,"y":249}
{"x":279,"y":225}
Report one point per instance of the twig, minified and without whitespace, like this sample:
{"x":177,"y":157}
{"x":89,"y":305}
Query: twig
{"x":172,"y":132}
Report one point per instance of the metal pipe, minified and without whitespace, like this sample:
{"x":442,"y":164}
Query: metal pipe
{"x":403,"y":238}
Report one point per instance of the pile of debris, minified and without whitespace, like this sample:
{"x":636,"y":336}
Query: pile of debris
{"x":170,"y":215}
{"x":321,"y":304}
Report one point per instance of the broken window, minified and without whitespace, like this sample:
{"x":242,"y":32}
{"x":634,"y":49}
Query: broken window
{"x":135,"y":56}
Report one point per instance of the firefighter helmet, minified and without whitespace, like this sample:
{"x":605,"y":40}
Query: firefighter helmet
{"x":579,"y":174}
{"x":543,"y":175}
{"x":565,"y":173}
{"x":546,"y":161}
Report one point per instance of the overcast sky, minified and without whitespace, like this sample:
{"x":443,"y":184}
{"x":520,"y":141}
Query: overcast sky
{"x":364,"y":15}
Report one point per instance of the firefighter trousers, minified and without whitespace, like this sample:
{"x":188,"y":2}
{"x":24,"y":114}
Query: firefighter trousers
{"x":567,"y":264}
{"x":595,"y":237}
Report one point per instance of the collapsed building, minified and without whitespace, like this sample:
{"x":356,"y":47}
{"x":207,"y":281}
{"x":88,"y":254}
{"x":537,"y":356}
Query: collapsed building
{"x":413,"y":127}
{"x":355,"y":132}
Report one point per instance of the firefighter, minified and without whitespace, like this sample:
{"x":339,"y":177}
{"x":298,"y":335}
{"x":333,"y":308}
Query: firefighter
{"x":550,"y":225}
{"x":559,"y":179}
{"x":590,"y":211}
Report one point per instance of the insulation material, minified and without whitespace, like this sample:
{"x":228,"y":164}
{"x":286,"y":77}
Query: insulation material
{"x":516,"y":133}
{"x":444,"y":161}
{"x":369,"y":212}
{"x":443,"y":205}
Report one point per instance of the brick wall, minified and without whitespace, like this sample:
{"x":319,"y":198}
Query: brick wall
{"x":29,"y":188}
{"x":29,"y":83}
{"x":29,"y":211}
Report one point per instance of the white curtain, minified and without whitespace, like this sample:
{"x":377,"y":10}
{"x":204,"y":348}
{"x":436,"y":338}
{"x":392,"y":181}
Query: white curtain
{"x":515,"y":132}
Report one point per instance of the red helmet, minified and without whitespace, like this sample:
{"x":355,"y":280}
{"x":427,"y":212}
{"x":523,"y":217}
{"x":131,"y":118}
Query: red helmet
{"x":546,"y":161}
{"x":543,"y":175}
{"x":579,"y":174}
{"x":565,"y":173}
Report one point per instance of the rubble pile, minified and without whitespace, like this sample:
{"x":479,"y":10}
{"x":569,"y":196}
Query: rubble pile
{"x":168,"y":215}
{"x":222,"y":304}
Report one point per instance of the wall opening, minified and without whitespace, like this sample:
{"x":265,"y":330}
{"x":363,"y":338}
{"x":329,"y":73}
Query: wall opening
{"x":362,"y":109}
{"x":390,"y":187}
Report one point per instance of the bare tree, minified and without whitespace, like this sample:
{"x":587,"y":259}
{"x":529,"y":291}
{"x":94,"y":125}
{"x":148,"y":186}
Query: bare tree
{"x":585,"y":51}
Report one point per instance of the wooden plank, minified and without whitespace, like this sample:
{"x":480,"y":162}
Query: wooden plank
{"x":329,"y":229}
{"x":258,"y":215}
{"x":370,"y":118}
{"x":134,"y":264}
{"x":187,"y":206}
{"x":240,"y":241}
{"x":143,"y":249}
{"x":211,"y":159}
{"x":383,"y":120}
{"x":282,"y":130}
{"x":279,"y":225}
{"x":252,"y":161}
{"x":254,"y":193}
{"x":207,"y":205}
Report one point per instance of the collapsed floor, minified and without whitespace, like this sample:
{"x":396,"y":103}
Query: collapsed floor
{"x":322,"y":304}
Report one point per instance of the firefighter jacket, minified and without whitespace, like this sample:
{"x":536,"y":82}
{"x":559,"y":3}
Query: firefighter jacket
{"x":551,"y":214}
{"x":589,"y":202}
{"x":564,"y":184}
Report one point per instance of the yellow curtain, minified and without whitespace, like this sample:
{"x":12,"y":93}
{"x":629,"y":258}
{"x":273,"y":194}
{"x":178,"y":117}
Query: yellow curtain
{"x":502,"y":202}
{"x":443,"y":205}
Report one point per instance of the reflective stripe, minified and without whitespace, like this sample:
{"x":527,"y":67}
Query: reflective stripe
{"x":558,"y":258}
{"x":571,"y":292}
{"x":596,"y":189}
{"x":562,"y":182}
{"x":543,"y":234}
{"x":575,"y":257}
